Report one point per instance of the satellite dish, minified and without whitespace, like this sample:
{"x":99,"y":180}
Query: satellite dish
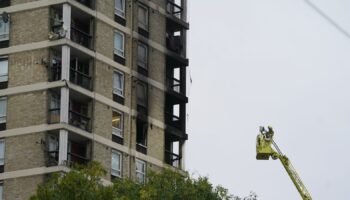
{"x":5,"y":17}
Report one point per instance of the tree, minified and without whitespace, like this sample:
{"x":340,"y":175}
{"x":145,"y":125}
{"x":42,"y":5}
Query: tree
{"x":84,"y":183}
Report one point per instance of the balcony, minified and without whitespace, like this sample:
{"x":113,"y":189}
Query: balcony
{"x":72,"y":159}
{"x":174,"y":121}
{"x":174,"y":9}
{"x":81,"y":36}
{"x":78,"y":150}
{"x":78,"y":113}
{"x":174,"y":43}
{"x":79,"y":120}
{"x":79,"y":73}
{"x":79,"y":68}
{"x":172,"y":159}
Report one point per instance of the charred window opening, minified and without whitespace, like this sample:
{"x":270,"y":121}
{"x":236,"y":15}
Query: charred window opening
{"x":141,"y":136}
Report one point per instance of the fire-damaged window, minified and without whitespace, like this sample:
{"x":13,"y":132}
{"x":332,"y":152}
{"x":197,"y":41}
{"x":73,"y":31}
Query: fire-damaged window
{"x":141,"y":136}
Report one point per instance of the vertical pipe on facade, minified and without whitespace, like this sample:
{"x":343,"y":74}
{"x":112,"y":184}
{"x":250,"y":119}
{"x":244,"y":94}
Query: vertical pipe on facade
{"x":131,"y":83}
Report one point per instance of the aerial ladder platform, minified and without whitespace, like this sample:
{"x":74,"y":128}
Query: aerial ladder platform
{"x":264,"y":151}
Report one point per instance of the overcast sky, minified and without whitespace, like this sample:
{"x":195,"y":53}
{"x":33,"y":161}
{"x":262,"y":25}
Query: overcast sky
{"x":270,"y":62}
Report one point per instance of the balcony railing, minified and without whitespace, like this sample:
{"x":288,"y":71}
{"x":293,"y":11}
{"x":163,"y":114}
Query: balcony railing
{"x":74,"y":158}
{"x":80,"y":78}
{"x":79,"y":120}
{"x":172,"y":158}
{"x":174,"y":9}
{"x":80,"y":37}
{"x":173,"y":120}
{"x":54,"y":115}
{"x":174,"y":85}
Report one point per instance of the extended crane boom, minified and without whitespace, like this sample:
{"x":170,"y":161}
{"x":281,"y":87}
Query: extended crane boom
{"x":264,"y":151}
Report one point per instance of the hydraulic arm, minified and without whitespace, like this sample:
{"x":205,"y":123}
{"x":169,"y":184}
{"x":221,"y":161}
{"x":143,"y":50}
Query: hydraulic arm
{"x":264,"y":151}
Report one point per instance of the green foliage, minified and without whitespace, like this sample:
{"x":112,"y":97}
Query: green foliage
{"x":85,"y":184}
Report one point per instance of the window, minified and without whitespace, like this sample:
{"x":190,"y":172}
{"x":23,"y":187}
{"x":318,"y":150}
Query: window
{"x":4,"y":28}
{"x":141,"y":94}
{"x":140,"y":171}
{"x":119,"y":44}
{"x":117,"y":123}
{"x":3,"y":108}
{"x":143,"y":17}
{"x":3,"y":70}
{"x":141,"y":137}
{"x":118,"y":83}
{"x":2,"y":152}
{"x":120,"y":8}
{"x":116,"y":169}
{"x":142,"y":55}
{"x":54,"y":111}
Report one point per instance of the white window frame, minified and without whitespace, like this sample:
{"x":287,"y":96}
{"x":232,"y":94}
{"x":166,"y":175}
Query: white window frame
{"x":119,"y":52}
{"x":141,"y":25}
{"x":118,"y":11}
{"x":142,"y":63}
{"x":2,"y":159}
{"x":118,"y":131}
{"x":5,"y":35}
{"x":119,"y":91}
{"x":3,"y":117}
{"x":143,"y":173}
{"x":117,"y":172}
{"x":4,"y":77}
